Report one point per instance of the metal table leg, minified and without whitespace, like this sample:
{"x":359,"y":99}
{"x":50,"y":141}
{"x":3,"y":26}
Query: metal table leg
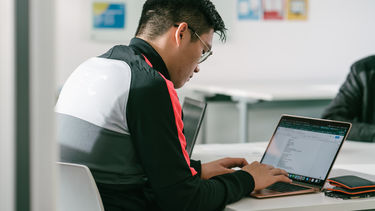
{"x":243,"y":121}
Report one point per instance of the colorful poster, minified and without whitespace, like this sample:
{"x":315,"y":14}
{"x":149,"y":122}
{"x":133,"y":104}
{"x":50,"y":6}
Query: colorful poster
{"x":273,"y":9}
{"x":248,"y":9}
{"x":297,"y":9}
{"x":109,"y":15}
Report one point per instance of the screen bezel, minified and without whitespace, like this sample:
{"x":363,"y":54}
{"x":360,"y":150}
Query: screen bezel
{"x":202,"y":105}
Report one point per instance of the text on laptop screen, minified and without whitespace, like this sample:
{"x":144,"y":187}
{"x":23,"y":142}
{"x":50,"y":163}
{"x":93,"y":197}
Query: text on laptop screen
{"x":304,"y":149}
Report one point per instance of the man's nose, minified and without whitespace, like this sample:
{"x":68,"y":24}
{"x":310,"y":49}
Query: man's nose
{"x":197,"y":69}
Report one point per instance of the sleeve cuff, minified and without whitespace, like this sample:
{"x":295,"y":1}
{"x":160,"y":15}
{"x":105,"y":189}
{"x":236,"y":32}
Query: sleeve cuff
{"x":196,"y":164}
{"x":247,"y":179}
{"x":238,"y":184}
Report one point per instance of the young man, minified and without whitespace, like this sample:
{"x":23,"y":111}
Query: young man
{"x":355,"y":101}
{"x":119,"y":114}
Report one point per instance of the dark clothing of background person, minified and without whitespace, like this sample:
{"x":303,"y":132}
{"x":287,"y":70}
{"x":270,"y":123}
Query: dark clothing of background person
{"x":355,"y":101}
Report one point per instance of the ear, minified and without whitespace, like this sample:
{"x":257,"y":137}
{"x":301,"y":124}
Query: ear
{"x":181,"y":32}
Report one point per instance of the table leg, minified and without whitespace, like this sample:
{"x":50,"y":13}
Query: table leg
{"x":243,"y":121}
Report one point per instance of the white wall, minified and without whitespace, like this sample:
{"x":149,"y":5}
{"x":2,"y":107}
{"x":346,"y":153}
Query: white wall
{"x":73,"y":43}
{"x":337,"y":33}
{"x":321,"y":50}
{"x":6,"y":106}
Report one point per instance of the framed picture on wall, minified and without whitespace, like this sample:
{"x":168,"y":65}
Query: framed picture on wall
{"x":273,"y":9}
{"x":114,"y":20}
{"x":109,"y":15}
{"x":248,"y":9}
{"x":297,"y":9}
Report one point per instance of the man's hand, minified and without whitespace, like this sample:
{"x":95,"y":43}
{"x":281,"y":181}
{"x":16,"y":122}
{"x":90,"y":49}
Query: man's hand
{"x":222,"y":166}
{"x":265,"y":175}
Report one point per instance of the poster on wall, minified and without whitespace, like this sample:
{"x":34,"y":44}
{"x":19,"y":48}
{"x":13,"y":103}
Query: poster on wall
{"x":273,"y":9}
{"x":109,"y":15}
{"x":297,"y":9}
{"x":114,"y":20}
{"x":248,"y":9}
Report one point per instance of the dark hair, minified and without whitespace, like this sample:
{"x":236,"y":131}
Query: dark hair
{"x":159,"y":15}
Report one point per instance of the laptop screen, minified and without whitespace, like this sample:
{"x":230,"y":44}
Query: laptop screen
{"x":193,"y":111}
{"x":305,"y":148}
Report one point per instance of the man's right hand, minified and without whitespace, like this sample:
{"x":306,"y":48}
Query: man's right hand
{"x":265,"y":175}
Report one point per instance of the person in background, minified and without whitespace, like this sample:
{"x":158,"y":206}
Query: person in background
{"x":119,"y":114}
{"x":355,"y":101}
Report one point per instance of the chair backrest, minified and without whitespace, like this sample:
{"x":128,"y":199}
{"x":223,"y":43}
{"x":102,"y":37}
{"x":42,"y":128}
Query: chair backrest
{"x":77,"y":189}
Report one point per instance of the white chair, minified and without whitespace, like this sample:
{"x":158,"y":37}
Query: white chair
{"x":77,"y":189}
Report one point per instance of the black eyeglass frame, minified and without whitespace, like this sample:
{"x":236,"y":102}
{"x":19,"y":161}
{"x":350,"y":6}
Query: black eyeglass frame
{"x":207,"y":53}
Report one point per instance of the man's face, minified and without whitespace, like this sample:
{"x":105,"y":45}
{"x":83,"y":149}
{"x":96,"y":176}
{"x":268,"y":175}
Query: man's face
{"x":187,"y":60}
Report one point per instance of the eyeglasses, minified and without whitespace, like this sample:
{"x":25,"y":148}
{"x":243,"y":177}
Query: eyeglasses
{"x":205,"y":54}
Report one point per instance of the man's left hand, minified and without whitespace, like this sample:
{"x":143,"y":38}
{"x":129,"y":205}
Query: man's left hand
{"x":222,"y":166}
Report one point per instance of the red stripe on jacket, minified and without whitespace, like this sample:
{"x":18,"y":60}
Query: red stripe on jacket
{"x":147,"y":61}
{"x":178,"y":119}
{"x":180,"y":125}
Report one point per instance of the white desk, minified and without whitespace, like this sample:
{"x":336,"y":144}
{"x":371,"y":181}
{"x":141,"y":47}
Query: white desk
{"x":269,"y":90}
{"x":353,"y":156}
{"x":251,"y":92}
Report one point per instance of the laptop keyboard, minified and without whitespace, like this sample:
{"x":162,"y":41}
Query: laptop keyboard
{"x":285,"y":187}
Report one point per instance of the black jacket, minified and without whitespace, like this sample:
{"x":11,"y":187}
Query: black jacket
{"x":355,"y":101}
{"x":119,"y":114}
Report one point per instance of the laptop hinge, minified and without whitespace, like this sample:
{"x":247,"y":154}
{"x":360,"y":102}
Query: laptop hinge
{"x":318,"y":187}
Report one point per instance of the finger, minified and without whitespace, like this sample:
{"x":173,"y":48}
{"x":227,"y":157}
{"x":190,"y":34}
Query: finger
{"x":284,"y":172}
{"x":281,"y":171}
{"x":241,"y":162}
{"x":277,"y":171}
{"x":230,"y":170}
{"x":197,"y":69}
{"x":244,"y":162}
{"x":234,"y":162}
{"x":255,"y":163}
{"x":268,"y":166}
{"x":227,"y":171}
{"x":282,"y":178}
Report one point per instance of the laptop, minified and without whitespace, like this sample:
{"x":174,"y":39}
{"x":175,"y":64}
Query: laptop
{"x":306,"y":148}
{"x":193,"y":111}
